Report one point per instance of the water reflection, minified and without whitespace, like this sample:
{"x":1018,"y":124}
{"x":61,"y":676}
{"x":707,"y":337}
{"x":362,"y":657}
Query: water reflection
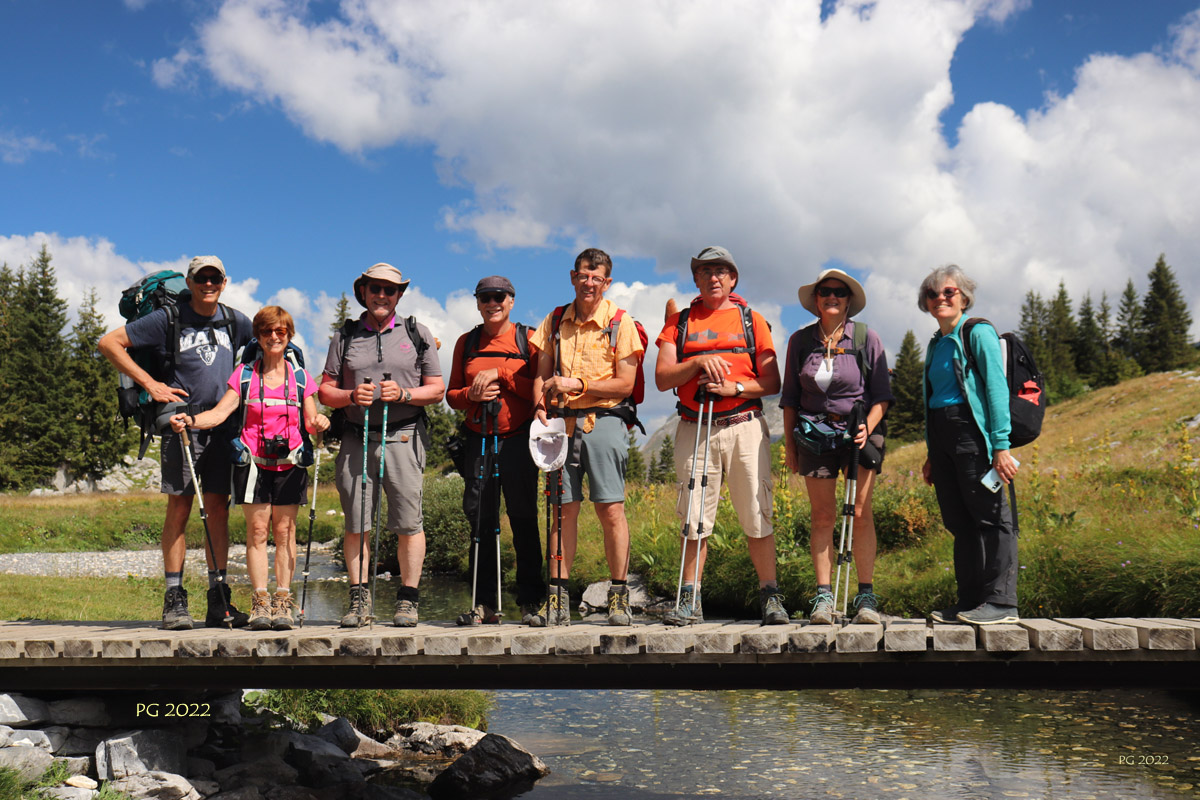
{"x":857,"y":744}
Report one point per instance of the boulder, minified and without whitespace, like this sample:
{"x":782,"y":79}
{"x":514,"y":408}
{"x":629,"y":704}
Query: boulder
{"x":261,"y":773}
{"x":200,"y":767}
{"x":595,"y":596}
{"x":497,"y":764}
{"x":205,"y":787}
{"x":20,"y":711}
{"x":5,"y":735}
{"x":156,"y":785}
{"x":57,"y":735}
{"x":80,"y":712}
{"x":341,"y":733}
{"x":69,"y":793}
{"x":76,"y":765}
{"x":319,"y":769}
{"x":292,"y":793}
{"x":31,"y":738}
{"x":443,"y":740}
{"x":83,"y":741}
{"x":137,"y":752}
{"x":28,"y":762}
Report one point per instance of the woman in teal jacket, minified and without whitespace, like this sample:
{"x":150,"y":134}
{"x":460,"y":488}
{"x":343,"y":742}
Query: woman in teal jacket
{"x":967,"y":430}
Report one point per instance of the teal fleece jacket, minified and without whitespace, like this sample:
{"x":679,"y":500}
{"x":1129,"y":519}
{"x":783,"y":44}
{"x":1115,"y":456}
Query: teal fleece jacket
{"x":986,"y":389}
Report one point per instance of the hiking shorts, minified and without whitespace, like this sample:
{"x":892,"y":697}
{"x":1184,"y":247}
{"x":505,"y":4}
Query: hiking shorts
{"x":603,"y":453}
{"x":277,"y":487}
{"x":403,"y":480}
{"x":739,"y":456}
{"x":828,"y":465}
{"x":212,"y":454}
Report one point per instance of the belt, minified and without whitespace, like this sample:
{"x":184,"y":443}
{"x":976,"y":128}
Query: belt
{"x":732,"y":419}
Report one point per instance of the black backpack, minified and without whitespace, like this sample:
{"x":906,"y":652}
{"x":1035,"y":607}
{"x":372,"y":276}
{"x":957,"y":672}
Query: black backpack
{"x":1026,"y":384}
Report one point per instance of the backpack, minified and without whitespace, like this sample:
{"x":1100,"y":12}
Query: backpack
{"x":294,"y":357}
{"x":681,"y":337}
{"x":627,"y":408}
{"x":471,"y":348}
{"x":1026,"y":384}
{"x":166,"y":289}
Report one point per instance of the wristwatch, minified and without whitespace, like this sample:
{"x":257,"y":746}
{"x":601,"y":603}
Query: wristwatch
{"x":740,"y":388}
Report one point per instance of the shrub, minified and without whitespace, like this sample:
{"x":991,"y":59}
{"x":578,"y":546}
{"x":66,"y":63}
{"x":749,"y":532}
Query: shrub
{"x":379,"y":711}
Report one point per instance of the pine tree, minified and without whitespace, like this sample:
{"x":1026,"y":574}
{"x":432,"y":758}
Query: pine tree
{"x":1129,"y":323}
{"x":100,"y":439}
{"x":1034,"y":319}
{"x":1165,"y":322}
{"x":1115,"y":366}
{"x":341,"y":313}
{"x":1090,"y":346}
{"x":635,"y":465}
{"x":10,"y":414}
{"x":664,"y":471}
{"x":1059,"y":334}
{"x":906,"y":417}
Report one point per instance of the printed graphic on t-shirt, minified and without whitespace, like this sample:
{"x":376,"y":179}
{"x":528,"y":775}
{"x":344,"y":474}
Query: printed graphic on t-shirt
{"x":198,"y":340}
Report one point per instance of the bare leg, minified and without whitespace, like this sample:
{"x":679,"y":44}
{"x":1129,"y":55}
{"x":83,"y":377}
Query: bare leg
{"x":258,"y":519}
{"x":174,"y":544}
{"x":410,"y":552}
{"x":616,"y":537}
{"x":285,"y":545}
{"x":821,"y":498}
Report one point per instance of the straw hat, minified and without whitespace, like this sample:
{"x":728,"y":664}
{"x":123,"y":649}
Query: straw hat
{"x":379,"y":272}
{"x":858,"y":297}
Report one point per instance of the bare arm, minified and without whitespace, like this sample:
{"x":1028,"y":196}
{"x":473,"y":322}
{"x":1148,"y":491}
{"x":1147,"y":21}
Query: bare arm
{"x":211,"y":418}
{"x":114,"y":346}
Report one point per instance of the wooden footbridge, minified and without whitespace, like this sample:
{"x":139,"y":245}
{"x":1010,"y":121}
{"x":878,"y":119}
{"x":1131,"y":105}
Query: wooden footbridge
{"x":1036,"y":653}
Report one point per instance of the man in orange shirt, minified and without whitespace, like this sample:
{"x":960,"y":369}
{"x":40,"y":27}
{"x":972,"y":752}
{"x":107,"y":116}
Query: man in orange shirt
{"x":492,"y":381}
{"x":720,"y":347}
{"x":586,"y":372}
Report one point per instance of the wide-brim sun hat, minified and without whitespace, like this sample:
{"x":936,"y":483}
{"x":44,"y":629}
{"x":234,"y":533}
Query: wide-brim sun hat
{"x":808,"y":298}
{"x":379,"y":272}
{"x":549,"y":443}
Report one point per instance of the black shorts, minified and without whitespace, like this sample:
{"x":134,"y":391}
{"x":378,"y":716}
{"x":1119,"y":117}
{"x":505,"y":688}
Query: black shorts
{"x":283,"y":487}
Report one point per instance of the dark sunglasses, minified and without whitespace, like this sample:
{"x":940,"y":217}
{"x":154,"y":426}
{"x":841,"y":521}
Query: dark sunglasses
{"x":212,"y":278}
{"x":492,"y":297}
{"x":833,"y":291}
{"x":278,"y":333}
{"x":380,"y":288}
{"x":934,"y":294}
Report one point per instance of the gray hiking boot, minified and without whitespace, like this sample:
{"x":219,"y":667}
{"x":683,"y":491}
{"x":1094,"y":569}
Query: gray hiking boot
{"x":528,"y":612}
{"x":553,"y":612}
{"x":260,"y":610}
{"x":618,"y":606}
{"x":946,"y":614}
{"x":866,"y":604}
{"x":689,"y":611}
{"x":360,"y":608}
{"x":773,"y":612}
{"x":989,"y":614}
{"x":822,"y":609}
{"x":406,"y":613}
{"x":175,"y":610}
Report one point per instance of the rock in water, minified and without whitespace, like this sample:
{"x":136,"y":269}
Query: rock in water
{"x":495,"y":764}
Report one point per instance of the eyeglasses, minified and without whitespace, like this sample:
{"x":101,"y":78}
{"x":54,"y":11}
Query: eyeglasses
{"x":388,"y":289}
{"x":491,"y":297}
{"x":210,"y":278}
{"x":714,"y":272}
{"x":589,"y":280}
{"x":278,"y":333}
{"x":840,"y":292}
{"x":948,"y":293}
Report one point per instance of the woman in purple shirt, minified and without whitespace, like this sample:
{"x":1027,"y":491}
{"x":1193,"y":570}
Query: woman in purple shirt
{"x":823,"y":375}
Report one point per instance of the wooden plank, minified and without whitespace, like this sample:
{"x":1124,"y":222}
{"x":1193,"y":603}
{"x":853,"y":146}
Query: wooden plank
{"x":1047,"y":635}
{"x":308,"y":644}
{"x":118,"y":648}
{"x":858,"y":638}
{"x":672,"y":639}
{"x":491,"y":640}
{"x":723,"y":639}
{"x":1158,"y":635}
{"x":273,"y":647}
{"x":905,"y":636}
{"x":156,"y":646}
{"x":41,"y":648}
{"x":809,"y":638}
{"x":10,"y":648}
{"x":579,"y":639}
{"x":948,"y":637}
{"x":1194,"y":624}
{"x":534,"y":641}
{"x":79,"y":648}
{"x":767,"y":639}
{"x":1004,"y":638}
{"x":1099,"y":635}
{"x":362,"y":645}
{"x":622,"y":640}
{"x":446,"y":643}
{"x":198,"y":646}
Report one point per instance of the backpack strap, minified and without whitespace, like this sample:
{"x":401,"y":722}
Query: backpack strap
{"x":749,"y":349}
{"x":965,"y":335}
{"x":471,"y":348}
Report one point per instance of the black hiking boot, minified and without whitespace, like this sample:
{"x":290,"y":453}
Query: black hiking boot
{"x":175,"y":610}
{"x":215,"y":616}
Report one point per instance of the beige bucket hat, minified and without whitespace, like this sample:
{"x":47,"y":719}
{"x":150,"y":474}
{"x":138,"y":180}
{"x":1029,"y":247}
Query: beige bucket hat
{"x":858,"y":297}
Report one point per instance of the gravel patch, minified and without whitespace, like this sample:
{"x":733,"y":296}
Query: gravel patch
{"x":146,"y":563}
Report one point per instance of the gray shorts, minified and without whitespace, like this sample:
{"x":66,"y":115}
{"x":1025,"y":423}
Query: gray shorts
{"x":404,"y":471}
{"x":604,"y":451}
{"x":212,"y":453}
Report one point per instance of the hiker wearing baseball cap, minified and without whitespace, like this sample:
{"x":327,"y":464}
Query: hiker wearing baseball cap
{"x":380,"y":373}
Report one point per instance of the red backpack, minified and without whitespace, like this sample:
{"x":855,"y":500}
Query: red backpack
{"x":627,"y":408}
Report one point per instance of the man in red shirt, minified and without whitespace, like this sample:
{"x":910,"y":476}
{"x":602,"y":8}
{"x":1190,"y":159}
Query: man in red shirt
{"x":492,"y":381}
{"x":720,"y":347}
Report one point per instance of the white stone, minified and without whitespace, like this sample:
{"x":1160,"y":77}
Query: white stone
{"x":20,"y":711}
{"x":31,"y":738}
{"x":82,"y":781}
{"x":425,"y":737}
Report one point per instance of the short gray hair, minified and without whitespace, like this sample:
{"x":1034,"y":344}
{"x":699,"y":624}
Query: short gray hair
{"x":934,"y":280}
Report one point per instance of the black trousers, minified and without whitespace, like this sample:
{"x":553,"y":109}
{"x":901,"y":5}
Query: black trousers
{"x":985,"y":544}
{"x":518,"y":482}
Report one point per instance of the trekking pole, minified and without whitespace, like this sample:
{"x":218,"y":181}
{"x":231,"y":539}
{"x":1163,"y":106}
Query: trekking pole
{"x":362,"y":506}
{"x":186,"y":443}
{"x":387,"y":376}
{"x":687,"y":518}
{"x":846,"y":545}
{"x":312,"y":517}
{"x":703,"y":494}
{"x":475,"y":534}
{"x":495,"y":404}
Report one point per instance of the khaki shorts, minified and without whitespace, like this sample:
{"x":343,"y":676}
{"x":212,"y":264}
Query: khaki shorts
{"x":738,"y":456}
{"x":404,"y":470}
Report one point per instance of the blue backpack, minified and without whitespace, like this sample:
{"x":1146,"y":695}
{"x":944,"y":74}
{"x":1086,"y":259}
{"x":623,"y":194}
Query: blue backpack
{"x":251,"y":354}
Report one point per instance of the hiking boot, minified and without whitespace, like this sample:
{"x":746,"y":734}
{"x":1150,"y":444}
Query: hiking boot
{"x":406,"y":613}
{"x":773,"y":612}
{"x":867,"y":606}
{"x":553,"y":612}
{"x":528,"y":612}
{"x":618,"y":606}
{"x":822,"y":609}
{"x":689,"y":610}
{"x":175,"y":610}
{"x":946,"y":614}
{"x":360,"y":608}
{"x":481,"y":614}
{"x":989,"y":614}
{"x":281,"y":611}
{"x":220,"y":598}
{"x":260,"y":610}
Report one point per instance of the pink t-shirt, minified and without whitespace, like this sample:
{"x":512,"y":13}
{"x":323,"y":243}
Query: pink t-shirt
{"x":273,"y":419}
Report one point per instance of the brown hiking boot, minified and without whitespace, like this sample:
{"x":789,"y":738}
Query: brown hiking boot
{"x":260,"y":610}
{"x":281,"y":611}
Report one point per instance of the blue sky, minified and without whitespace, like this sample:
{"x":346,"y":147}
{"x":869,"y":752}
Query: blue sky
{"x":1031,"y":142}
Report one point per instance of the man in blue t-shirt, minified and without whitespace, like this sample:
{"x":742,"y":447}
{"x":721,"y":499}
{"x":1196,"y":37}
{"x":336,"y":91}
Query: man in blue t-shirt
{"x":192,"y":371}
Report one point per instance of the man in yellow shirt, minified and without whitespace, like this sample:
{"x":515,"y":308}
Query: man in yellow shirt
{"x":587,"y":365}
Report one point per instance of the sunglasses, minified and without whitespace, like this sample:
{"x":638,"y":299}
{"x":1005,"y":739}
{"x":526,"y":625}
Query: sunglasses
{"x":833,"y":291}
{"x":278,"y":333}
{"x":210,"y":278}
{"x":389,"y":289}
{"x":934,"y":294}
{"x":491,"y":297}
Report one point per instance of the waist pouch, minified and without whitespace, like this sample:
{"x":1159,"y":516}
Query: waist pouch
{"x":815,"y":434}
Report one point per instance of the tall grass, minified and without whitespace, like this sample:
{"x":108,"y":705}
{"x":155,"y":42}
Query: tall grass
{"x":380,"y":711}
